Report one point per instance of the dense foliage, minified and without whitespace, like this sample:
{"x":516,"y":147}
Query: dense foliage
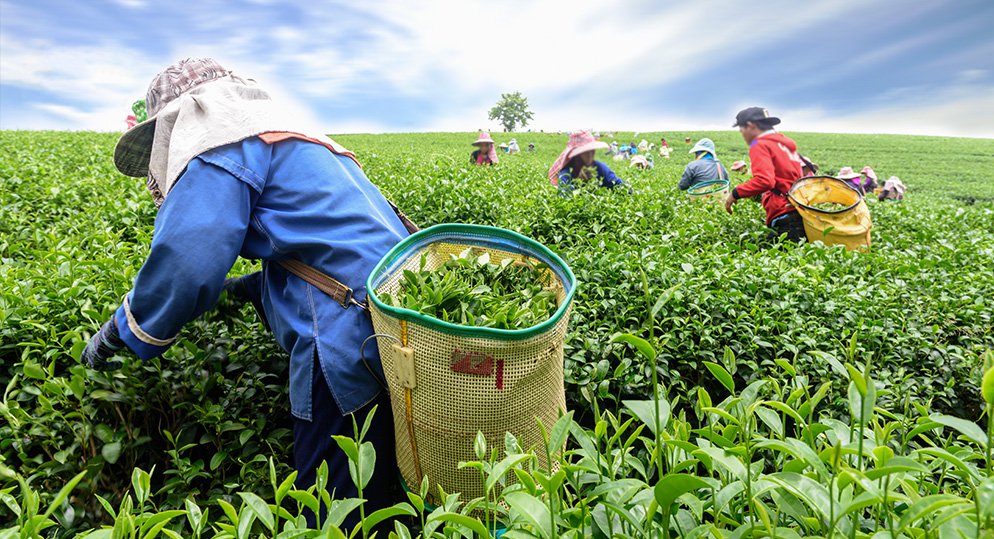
{"x":793,"y":376}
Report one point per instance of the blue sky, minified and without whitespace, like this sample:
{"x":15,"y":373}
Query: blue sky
{"x":841,"y":65}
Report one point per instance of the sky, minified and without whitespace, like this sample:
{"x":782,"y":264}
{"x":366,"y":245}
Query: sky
{"x":861,"y":66}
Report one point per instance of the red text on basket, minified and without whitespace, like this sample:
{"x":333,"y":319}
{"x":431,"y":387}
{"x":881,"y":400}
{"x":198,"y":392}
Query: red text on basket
{"x":477,"y":363}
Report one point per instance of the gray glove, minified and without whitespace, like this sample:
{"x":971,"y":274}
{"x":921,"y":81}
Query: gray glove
{"x":103,"y":346}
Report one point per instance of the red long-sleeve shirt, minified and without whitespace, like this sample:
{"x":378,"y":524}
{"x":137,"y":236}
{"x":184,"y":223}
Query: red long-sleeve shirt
{"x":775,"y":167}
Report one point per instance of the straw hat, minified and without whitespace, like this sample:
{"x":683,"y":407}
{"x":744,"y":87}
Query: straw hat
{"x":847,"y":173}
{"x":738,"y":165}
{"x":483,"y":139}
{"x":704,"y":145}
{"x":579,"y":142}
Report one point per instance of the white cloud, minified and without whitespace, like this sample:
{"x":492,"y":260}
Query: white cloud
{"x":575,"y":61}
{"x":95,"y":85}
{"x":958,"y":113}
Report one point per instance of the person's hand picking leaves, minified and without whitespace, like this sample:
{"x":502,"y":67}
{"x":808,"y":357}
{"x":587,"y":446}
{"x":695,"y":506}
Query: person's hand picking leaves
{"x":102,"y":347}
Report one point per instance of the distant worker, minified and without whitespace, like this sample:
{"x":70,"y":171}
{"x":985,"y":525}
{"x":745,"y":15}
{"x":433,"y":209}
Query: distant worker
{"x":664,"y":148}
{"x":512,"y":147}
{"x":643,"y":162}
{"x":531,"y":146}
{"x":502,"y":147}
{"x":613,"y":148}
{"x":576,"y":165}
{"x":686,"y":140}
{"x":853,"y":179}
{"x":893,"y":189}
{"x":740,"y":166}
{"x":869,"y":179}
{"x":704,"y":168}
{"x":485,"y":153}
{"x":775,"y":167}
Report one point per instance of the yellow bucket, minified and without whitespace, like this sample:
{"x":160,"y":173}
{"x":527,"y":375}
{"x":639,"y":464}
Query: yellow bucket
{"x":848,"y":223}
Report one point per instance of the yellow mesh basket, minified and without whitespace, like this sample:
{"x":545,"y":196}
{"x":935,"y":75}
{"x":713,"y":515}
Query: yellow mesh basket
{"x":849,"y":225}
{"x":447,"y":382}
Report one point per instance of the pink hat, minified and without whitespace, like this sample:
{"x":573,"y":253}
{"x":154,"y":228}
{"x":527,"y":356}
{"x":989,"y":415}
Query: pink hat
{"x":739,"y":165}
{"x":847,"y":173}
{"x":484,"y":139}
{"x":868,"y":172}
{"x":579,"y":142}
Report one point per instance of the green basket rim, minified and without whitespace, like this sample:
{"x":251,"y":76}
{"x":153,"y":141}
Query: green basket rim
{"x":723,"y":184}
{"x":471,"y":331}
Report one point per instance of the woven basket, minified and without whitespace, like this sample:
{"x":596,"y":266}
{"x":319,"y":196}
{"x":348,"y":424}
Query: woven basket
{"x":708,"y":189}
{"x":447,"y":382}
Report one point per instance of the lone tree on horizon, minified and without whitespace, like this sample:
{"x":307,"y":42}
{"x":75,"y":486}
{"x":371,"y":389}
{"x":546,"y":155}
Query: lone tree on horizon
{"x":511,"y":111}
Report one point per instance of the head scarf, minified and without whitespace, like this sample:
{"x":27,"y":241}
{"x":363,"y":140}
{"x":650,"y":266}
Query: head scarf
{"x":212,"y":115}
{"x":481,"y":157}
{"x":579,"y":142}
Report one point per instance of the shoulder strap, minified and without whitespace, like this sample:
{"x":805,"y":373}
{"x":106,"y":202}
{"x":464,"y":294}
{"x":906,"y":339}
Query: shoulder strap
{"x":404,"y":219}
{"x":328,"y":284}
{"x":323,"y":282}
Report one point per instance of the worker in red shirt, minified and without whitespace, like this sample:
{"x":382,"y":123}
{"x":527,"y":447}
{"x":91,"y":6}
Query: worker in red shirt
{"x":776,"y":165}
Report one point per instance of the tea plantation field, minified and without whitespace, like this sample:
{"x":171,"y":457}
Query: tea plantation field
{"x":804,"y":390}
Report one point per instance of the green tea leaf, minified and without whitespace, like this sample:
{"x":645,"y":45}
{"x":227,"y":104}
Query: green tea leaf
{"x":721,"y":374}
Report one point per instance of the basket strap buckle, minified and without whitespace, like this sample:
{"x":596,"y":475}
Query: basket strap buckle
{"x":334,"y":288}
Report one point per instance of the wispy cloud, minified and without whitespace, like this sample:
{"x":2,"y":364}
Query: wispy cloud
{"x":846,"y":65}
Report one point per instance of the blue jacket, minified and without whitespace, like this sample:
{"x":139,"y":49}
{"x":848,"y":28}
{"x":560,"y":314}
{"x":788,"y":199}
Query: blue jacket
{"x":606,"y":176}
{"x":292,"y":199}
{"x":702,"y":170}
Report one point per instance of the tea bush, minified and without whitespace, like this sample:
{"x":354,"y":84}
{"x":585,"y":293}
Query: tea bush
{"x":210,"y":420}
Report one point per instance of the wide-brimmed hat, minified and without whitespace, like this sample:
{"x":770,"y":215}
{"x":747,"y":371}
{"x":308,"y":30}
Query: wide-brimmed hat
{"x":739,"y":165}
{"x":847,"y":173}
{"x":484,"y":138}
{"x":133,"y":150}
{"x":579,"y":142}
{"x":868,"y":172}
{"x":704,"y":145}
